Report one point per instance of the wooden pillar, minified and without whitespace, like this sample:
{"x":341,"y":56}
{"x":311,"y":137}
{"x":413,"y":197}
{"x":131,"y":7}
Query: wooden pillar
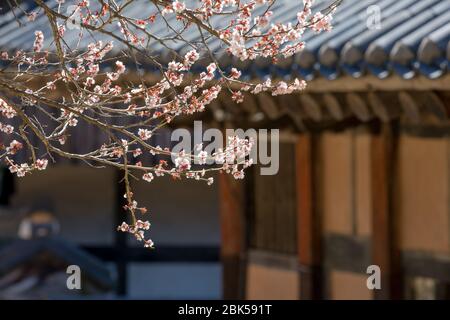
{"x":7,"y":180}
{"x":231,"y":207}
{"x":308,"y":219}
{"x":385,"y":252}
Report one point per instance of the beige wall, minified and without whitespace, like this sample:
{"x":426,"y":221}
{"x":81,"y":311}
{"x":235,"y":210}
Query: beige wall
{"x":424,"y":194}
{"x":363,"y":189}
{"x":272,"y":283}
{"x":349,"y":286}
{"x":422,"y":200}
{"x":346,"y":190}
{"x":337,"y":182}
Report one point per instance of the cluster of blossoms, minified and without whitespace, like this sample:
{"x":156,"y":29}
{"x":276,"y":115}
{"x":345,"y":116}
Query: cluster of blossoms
{"x":284,"y":88}
{"x":138,"y":231}
{"x":260,"y":38}
{"x":9,"y":113}
{"x":21,"y":169}
{"x":6,"y":110}
{"x":75,"y":83}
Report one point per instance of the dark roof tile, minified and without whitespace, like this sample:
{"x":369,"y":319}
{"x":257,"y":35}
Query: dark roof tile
{"x":413,"y":38}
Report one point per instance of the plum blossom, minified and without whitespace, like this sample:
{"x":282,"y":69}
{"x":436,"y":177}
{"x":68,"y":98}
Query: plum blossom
{"x":191,"y":57}
{"x":14,"y":147}
{"x":137,"y":152}
{"x":138,"y":230}
{"x":6,"y":128}
{"x":6,"y":110}
{"x":284,"y":88}
{"x":182,"y":161}
{"x":237,"y":96}
{"x":238,"y":174}
{"x":202,"y":156}
{"x":167,"y":10}
{"x":178,"y":6}
{"x":41,"y":164}
{"x":235,"y":73}
{"x":120,"y":67}
{"x":321,"y":22}
{"x":148,"y":177}
{"x":39,"y":41}
{"x":20,"y":170}
{"x":263,"y":20}
{"x":144,"y":134}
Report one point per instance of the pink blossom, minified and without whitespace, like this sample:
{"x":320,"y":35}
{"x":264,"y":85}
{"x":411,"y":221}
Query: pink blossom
{"x":235,"y":73}
{"x":14,"y":147}
{"x":41,"y":164}
{"x":120,"y":67}
{"x":148,"y":177}
{"x":191,"y":57}
{"x":237,"y":96}
{"x":182,"y":162}
{"x":178,"y":6}
{"x":137,"y":152}
{"x":321,"y":22}
{"x":144,"y":134}
{"x":202,"y":156}
{"x":38,"y":41}
{"x":6,"y":110}
{"x":8,"y":129}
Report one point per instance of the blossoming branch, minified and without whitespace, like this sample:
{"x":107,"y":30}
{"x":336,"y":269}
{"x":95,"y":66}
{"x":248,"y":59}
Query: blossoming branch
{"x":68,"y":76}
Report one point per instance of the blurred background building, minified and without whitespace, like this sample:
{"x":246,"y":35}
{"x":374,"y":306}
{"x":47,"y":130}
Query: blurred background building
{"x":364,"y":178}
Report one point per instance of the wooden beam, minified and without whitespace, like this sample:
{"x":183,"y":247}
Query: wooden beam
{"x":435,"y":106}
{"x":162,"y":254}
{"x":384,"y":105}
{"x":426,"y":264}
{"x":359,"y":107}
{"x":426,"y":131}
{"x":424,"y":107}
{"x":385,"y":251}
{"x":308,"y":220}
{"x":231,"y":108}
{"x":334,"y":106}
{"x":370,"y":82}
{"x":269,"y":106}
{"x":410,"y":107}
{"x":250,"y":105}
{"x":346,"y":253}
{"x":231,"y":206}
{"x":273,"y":259}
{"x":311,"y":107}
{"x":290,"y":105}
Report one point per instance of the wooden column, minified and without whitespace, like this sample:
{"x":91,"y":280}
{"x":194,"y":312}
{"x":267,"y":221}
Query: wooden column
{"x":232,"y":236}
{"x":7,"y":180}
{"x":308,"y":220}
{"x":385,"y":252}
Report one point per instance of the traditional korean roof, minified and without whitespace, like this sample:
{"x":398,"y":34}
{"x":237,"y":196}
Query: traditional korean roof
{"x":23,"y":251}
{"x":379,"y":37}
